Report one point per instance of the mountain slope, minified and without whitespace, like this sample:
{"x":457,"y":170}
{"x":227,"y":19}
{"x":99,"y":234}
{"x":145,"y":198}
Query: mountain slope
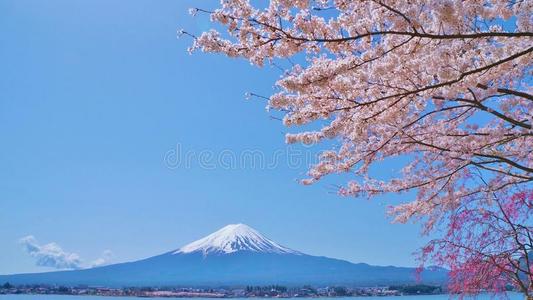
{"x":234,"y":255}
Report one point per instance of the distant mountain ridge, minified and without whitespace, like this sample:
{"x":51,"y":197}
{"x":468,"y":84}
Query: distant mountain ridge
{"x":236,"y":255}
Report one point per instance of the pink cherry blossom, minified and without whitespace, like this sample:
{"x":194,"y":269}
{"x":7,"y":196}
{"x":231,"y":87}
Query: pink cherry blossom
{"x":443,"y":83}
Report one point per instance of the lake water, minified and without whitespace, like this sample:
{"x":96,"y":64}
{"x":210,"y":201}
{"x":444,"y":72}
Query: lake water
{"x":512,"y":296}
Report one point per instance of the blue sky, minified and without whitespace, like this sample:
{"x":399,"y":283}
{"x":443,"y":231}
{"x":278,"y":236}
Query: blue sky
{"x":94,"y":94}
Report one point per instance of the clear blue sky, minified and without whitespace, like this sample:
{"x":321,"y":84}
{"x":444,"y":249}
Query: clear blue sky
{"x":92,"y":96}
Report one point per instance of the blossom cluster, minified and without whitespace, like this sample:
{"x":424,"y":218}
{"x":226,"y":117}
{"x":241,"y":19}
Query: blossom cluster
{"x":444,"y":83}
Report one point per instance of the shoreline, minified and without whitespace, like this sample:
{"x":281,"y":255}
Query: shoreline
{"x":274,"y":291}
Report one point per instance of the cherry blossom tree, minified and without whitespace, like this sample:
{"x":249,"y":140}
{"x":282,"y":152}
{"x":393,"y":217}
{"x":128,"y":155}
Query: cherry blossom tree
{"x":443,"y":83}
{"x":487,"y":248}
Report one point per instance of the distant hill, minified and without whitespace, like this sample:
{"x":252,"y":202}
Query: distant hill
{"x":235,"y":255}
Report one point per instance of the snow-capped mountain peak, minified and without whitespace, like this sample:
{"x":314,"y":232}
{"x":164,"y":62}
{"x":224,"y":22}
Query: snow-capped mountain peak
{"x":233,"y":238}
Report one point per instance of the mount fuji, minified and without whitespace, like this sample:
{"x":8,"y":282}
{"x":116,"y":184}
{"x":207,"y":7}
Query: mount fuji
{"x":233,"y":238}
{"x":236,"y":255}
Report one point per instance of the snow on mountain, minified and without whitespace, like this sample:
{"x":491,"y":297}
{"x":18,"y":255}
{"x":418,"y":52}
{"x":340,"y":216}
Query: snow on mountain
{"x":233,"y":238}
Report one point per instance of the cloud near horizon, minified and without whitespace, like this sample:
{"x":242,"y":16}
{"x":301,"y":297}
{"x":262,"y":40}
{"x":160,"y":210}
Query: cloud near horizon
{"x":52,"y":255}
{"x":107,"y":255}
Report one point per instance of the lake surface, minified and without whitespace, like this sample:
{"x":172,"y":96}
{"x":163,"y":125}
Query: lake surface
{"x":512,"y":296}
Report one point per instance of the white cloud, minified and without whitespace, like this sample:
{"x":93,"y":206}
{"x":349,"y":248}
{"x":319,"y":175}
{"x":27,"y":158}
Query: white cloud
{"x":52,"y":255}
{"x":107,"y":255}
